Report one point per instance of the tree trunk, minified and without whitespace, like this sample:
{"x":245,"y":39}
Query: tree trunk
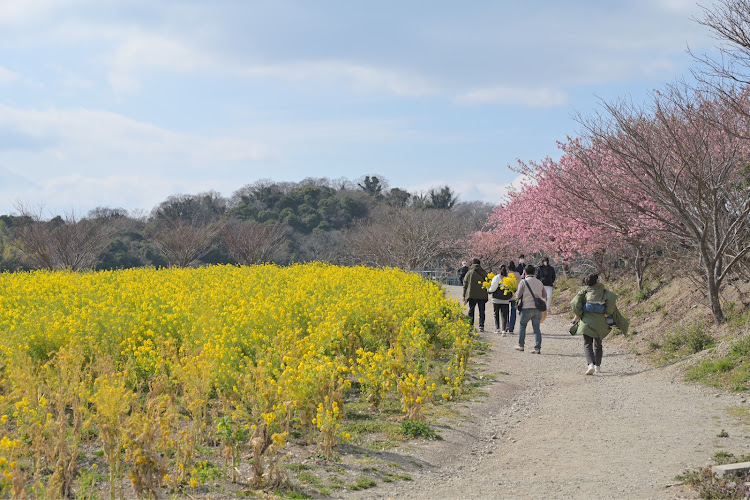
{"x":640,"y":266}
{"x":713,"y":294}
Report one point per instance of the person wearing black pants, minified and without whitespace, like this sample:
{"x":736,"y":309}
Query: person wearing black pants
{"x":500,"y":301}
{"x":474,"y":293}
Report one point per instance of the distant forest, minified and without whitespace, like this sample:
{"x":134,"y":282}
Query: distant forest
{"x":338,"y":221}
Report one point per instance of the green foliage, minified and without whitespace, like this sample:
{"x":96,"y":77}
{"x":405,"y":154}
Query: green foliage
{"x":205,"y":471}
{"x":731,"y":371}
{"x":362,"y":483}
{"x":687,"y":340}
{"x":737,"y":318}
{"x":441,"y":199}
{"x":646,"y":291}
{"x":304,"y":208}
{"x":417,"y":428}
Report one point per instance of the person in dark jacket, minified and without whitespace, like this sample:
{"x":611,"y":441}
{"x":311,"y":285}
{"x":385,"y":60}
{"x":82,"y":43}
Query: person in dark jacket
{"x":462,"y":272}
{"x":512,"y":317}
{"x":521,"y":266}
{"x":546,"y":274}
{"x":474,"y":293}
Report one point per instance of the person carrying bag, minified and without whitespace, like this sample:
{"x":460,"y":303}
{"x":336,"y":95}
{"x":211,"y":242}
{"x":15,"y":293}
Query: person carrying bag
{"x":531,"y":306}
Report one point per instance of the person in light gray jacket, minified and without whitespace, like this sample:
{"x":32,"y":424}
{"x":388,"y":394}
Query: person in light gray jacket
{"x":528,"y":288}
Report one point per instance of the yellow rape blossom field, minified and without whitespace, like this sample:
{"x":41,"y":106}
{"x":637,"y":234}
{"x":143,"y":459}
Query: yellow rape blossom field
{"x":153,"y":375}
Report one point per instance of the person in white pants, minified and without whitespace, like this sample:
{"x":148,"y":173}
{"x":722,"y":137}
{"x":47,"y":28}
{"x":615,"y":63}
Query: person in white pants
{"x":546,"y":274}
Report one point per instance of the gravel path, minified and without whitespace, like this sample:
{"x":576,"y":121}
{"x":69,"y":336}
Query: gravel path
{"x":546,"y":430}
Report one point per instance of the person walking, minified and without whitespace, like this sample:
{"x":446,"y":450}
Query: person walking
{"x":529,"y":288}
{"x":546,"y":274}
{"x":521,"y":267}
{"x":595,"y":310}
{"x":462,"y":272}
{"x":513,"y":302}
{"x":474,"y":293}
{"x":500,"y":301}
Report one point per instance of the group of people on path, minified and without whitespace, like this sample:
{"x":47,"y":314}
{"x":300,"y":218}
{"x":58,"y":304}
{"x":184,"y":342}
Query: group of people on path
{"x":594,"y":306}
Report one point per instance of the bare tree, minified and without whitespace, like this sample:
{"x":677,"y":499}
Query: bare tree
{"x":182,"y":241}
{"x":729,"y":22}
{"x":407,"y":238}
{"x":249,"y":242}
{"x":678,"y":162}
{"x":63,"y":242}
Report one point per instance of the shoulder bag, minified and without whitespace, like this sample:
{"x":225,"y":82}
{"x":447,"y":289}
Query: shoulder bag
{"x":538,"y":303}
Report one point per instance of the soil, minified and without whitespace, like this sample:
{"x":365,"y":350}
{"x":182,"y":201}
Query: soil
{"x":544,"y":429}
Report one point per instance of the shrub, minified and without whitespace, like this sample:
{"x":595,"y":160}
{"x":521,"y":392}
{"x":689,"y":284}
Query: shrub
{"x":417,"y":428}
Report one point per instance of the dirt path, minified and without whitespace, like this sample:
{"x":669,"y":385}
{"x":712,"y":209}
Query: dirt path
{"x":546,"y":430}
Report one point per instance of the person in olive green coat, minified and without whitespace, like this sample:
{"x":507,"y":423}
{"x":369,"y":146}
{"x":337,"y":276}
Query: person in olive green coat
{"x":474,"y":293}
{"x":595,"y":309}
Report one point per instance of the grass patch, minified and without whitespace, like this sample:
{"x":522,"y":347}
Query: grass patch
{"x":683,"y":341}
{"x":737,"y":318}
{"x":646,"y":291}
{"x":310,"y":479}
{"x":296,"y":466}
{"x":362,"y":483}
{"x":296,"y":495}
{"x":418,"y":429}
{"x":730,"y":372}
{"x":390,"y":478}
{"x":359,"y":429}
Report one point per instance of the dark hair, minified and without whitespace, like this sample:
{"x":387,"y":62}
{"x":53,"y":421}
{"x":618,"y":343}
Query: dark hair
{"x":503,"y":270}
{"x":591,"y":279}
{"x":530,"y":270}
{"x":522,"y":256}
{"x":475,"y":261}
{"x":546,"y":259}
{"x":512,"y":265}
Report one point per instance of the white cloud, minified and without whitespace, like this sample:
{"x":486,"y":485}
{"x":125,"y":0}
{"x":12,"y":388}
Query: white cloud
{"x":145,"y":51}
{"x":360,"y":76}
{"x":85,"y":133}
{"x":98,"y":156}
{"x":536,"y":98}
{"x":26,"y":11}
{"x":7,"y":76}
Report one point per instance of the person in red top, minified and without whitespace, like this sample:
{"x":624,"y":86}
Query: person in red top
{"x":528,"y":288}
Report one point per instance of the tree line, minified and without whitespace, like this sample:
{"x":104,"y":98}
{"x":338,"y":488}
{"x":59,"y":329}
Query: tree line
{"x":339,"y":221}
{"x":666,"y":180}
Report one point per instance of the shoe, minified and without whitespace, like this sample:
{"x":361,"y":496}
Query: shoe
{"x":519,"y":348}
{"x":596,"y":369}
{"x":536,"y":351}
{"x":503,"y":335}
{"x":481,"y":329}
{"x":497,"y":330}
{"x":591,"y":370}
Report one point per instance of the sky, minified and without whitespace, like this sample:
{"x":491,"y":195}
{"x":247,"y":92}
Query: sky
{"x":123,"y":103}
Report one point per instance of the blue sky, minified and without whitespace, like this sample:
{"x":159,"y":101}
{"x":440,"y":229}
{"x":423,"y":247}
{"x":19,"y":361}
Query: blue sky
{"x":124,"y":103}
